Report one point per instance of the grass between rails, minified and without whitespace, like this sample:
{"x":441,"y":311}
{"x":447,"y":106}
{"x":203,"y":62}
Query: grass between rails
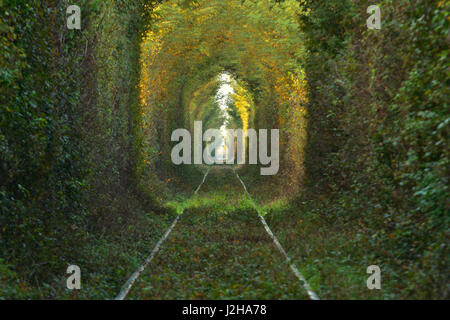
{"x":218,"y":250}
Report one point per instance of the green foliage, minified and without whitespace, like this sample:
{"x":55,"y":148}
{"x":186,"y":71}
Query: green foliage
{"x":41,"y":169}
{"x":86,"y":117}
{"x":68,"y":132}
{"x":256,"y":42}
{"x":378,"y":130}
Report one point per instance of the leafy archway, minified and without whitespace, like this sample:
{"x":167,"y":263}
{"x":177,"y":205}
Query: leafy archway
{"x":257,"y":42}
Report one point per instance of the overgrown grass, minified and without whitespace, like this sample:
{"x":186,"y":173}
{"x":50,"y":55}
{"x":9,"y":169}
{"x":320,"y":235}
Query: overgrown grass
{"x":107,"y":261}
{"x":333,"y":248}
{"x":218,"y":250}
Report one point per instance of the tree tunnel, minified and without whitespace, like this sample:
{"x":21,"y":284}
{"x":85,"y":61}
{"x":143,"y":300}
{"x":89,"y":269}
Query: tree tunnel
{"x":242,"y":73}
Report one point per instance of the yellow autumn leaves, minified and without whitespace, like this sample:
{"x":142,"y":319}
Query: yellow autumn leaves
{"x":190,"y":44}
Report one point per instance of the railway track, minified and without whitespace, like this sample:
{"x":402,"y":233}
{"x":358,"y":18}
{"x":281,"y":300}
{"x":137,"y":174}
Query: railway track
{"x":127,"y":286}
{"x":301,"y":279}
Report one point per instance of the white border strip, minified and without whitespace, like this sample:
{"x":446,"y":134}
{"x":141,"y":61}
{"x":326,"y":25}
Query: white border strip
{"x":127,"y":286}
{"x":312,"y":295}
